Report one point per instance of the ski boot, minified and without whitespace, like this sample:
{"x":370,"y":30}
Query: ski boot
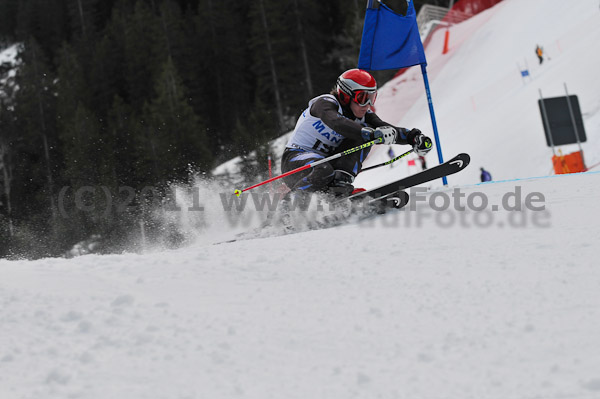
{"x":341,"y":186}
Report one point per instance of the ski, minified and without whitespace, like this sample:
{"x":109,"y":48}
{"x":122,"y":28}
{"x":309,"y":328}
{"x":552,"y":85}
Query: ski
{"x":378,"y":204}
{"x":378,"y":200}
{"x":447,"y":168}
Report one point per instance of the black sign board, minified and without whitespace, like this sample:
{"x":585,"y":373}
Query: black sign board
{"x":559,"y":119}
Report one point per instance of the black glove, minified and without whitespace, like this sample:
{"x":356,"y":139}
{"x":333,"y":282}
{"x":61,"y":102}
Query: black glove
{"x":421,"y":143}
{"x":387,"y":133}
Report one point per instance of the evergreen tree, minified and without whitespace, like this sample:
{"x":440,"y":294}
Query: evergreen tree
{"x":264,"y":36}
{"x":78,"y":126}
{"x":252,"y":140}
{"x":34,"y":110}
{"x":84,"y":168}
{"x":303,"y":48}
{"x":71,"y":87}
{"x":106,"y":77}
{"x":218,"y":74}
{"x":175,"y":136}
{"x":81,"y":15}
{"x":172,"y":26}
{"x":6,"y":174}
{"x":8,"y":156}
{"x":8,"y":19}
{"x":142,"y":55}
{"x":119,"y":133}
{"x":321,"y":26}
{"x":348,"y":35}
{"x":45,"y":22}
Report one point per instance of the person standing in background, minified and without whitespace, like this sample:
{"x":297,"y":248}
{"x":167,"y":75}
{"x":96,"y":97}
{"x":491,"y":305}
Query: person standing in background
{"x":485,"y":175}
{"x":540,"y":53}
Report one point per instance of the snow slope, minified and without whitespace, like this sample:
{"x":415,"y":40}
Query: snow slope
{"x":419,"y":303}
{"x":482,"y":104}
{"x":494,"y":305}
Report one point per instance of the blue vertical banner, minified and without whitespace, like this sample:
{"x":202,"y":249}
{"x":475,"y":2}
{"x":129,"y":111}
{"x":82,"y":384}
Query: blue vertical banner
{"x":392,"y":41}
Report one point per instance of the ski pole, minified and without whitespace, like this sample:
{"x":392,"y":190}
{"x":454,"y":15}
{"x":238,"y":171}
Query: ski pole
{"x":388,"y":162}
{"x":313,"y":164}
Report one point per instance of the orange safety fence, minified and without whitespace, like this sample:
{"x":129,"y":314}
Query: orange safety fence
{"x":570,"y":163}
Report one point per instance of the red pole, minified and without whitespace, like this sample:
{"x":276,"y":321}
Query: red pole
{"x":238,"y":192}
{"x":270,"y":174}
{"x":313,"y":164}
{"x":269,"y":158}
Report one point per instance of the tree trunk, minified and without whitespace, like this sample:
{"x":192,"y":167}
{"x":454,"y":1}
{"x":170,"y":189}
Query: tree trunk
{"x":44,"y":138}
{"x":217,"y":56}
{"x":6,"y":167}
{"x":272,"y":65}
{"x":166,"y":30}
{"x":309,"y":87}
{"x":81,"y":17}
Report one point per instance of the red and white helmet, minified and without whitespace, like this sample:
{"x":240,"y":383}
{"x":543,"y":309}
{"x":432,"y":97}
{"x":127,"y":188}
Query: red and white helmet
{"x":357,"y":85}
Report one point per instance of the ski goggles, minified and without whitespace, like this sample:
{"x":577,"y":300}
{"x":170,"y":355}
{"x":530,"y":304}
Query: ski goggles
{"x":364,"y":97}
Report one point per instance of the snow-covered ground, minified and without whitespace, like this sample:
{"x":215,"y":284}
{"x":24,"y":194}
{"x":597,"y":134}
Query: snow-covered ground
{"x":419,"y":303}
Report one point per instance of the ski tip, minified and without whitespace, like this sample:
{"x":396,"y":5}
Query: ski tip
{"x":463,"y":157}
{"x":466,"y":157}
{"x":237,"y":192}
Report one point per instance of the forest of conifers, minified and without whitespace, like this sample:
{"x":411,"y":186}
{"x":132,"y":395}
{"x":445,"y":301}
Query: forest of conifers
{"x":124,"y":93}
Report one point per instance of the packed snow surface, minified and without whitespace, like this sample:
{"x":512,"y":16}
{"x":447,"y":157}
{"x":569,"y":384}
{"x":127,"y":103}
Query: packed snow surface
{"x":473,"y":291}
{"x":417,"y":303}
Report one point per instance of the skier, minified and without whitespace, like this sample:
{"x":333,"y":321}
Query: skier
{"x":485,"y":175}
{"x":335,"y":122}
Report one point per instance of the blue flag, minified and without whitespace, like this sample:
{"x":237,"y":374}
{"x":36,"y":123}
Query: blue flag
{"x":390,"y":40}
{"x":525,"y":73}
